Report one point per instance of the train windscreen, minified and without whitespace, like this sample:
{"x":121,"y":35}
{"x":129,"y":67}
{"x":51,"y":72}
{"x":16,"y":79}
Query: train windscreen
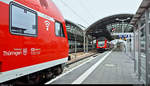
{"x":101,"y":43}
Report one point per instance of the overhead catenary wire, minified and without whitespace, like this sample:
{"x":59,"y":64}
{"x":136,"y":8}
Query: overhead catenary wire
{"x":88,"y":15}
{"x":74,"y":12}
{"x":85,"y":8}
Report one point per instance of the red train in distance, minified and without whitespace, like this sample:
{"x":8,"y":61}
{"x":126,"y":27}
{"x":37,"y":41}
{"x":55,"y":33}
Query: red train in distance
{"x":101,"y":45}
{"x":33,"y":41}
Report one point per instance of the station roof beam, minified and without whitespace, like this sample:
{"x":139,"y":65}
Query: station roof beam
{"x":103,"y":27}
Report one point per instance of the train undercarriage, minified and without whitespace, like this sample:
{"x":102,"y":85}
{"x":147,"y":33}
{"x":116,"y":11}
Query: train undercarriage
{"x":37,"y":78}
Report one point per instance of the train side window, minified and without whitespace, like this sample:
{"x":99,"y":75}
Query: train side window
{"x":23,"y":21}
{"x":59,"y":31}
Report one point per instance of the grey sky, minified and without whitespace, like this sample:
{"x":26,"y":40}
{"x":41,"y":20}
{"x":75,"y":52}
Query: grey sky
{"x":86,"y":12}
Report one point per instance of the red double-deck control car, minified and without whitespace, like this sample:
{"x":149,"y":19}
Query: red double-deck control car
{"x":33,"y":41}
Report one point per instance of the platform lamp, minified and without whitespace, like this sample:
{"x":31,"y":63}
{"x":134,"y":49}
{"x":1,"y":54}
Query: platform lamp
{"x":122,"y":21}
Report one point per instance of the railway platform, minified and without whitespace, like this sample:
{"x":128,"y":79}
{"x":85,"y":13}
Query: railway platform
{"x":74,"y":57}
{"x":110,"y":67}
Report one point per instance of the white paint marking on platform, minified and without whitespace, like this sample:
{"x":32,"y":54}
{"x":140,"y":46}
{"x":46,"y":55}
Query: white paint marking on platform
{"x":72,"y":69}
{"x":90,"y":70}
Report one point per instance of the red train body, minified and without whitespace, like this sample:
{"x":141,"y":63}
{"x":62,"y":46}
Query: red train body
{"x":33,"y":37}
{"x":101,"y":45}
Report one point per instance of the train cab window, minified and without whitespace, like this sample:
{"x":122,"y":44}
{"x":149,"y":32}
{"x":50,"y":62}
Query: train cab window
{"x":23,"y":21}
{"x":59,"y":31}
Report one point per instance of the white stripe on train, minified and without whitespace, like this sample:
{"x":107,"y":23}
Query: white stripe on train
{"x":5,"y":76}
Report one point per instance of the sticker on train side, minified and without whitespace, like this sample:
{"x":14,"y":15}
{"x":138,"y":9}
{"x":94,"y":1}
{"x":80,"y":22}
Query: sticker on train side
{"x":21,"y":51}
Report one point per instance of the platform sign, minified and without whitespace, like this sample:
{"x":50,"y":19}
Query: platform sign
{"x":126,"y":36}
{"x":122,"y":36}
{"x":119,"y":36}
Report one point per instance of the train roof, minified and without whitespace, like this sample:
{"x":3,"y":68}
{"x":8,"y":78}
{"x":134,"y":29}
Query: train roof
{"x":46,"y":7}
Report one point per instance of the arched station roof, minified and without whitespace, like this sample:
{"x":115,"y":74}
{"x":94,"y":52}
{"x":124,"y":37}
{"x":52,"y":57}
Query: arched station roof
{"x":98,"y":29}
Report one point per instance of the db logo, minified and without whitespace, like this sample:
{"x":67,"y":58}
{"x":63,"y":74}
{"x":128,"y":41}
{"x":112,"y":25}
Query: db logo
{"x":47,"y":25}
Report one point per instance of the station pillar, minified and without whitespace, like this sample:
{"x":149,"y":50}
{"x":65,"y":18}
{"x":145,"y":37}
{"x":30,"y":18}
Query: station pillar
{"x":87,"y":44}
{"x":84,"y":42}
